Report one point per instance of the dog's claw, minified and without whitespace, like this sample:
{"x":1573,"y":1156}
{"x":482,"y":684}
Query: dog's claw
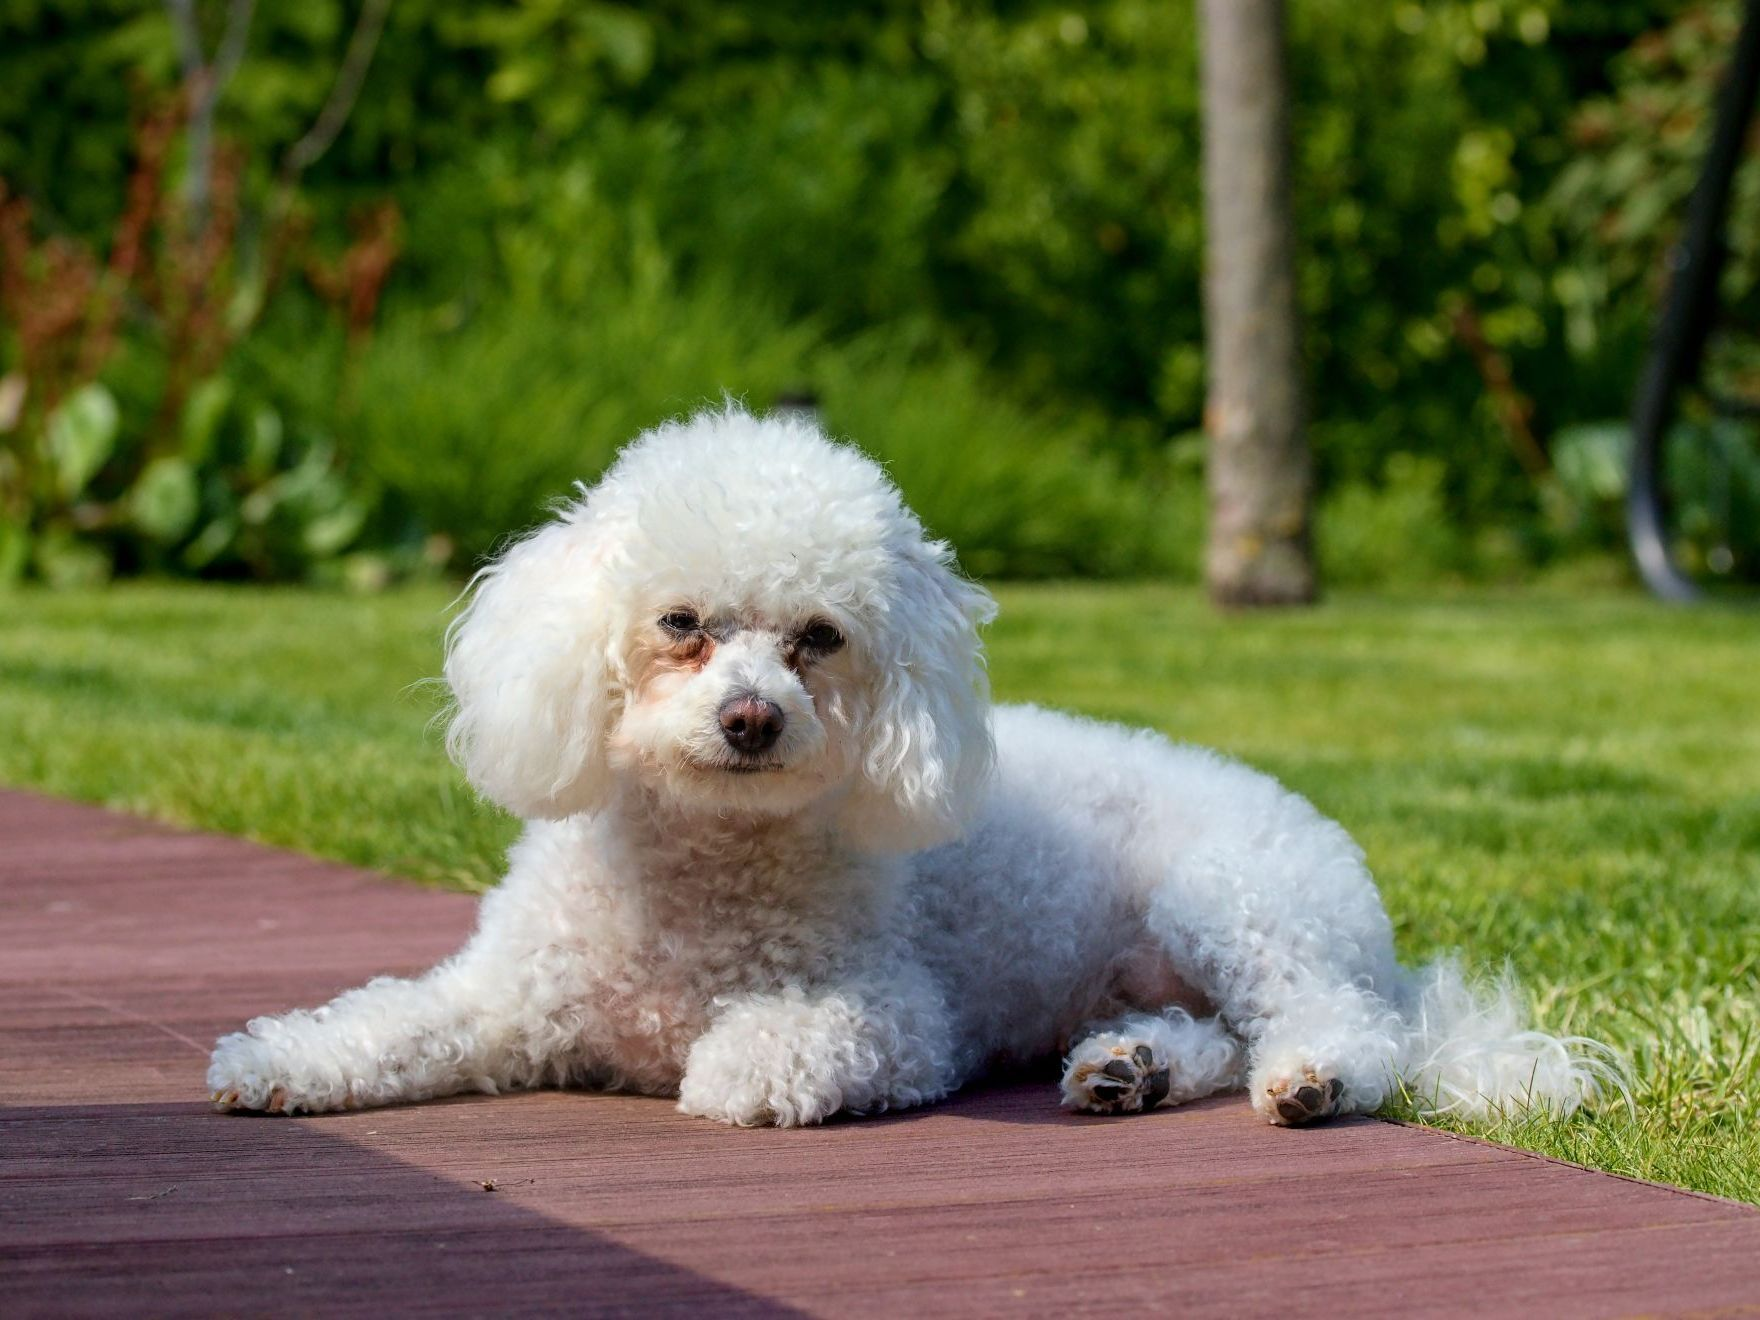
{"x":228,"y":1098}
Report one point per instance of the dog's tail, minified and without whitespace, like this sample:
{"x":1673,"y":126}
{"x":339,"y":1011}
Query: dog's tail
{"x":1470,"y":1053}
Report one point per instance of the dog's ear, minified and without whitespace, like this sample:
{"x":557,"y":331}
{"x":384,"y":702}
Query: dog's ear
{"x":926,"y":750}
{"x":529,"y":661}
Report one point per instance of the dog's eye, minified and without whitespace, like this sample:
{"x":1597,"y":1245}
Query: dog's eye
{"x":821,"y":637}
{"x":681,"y":623}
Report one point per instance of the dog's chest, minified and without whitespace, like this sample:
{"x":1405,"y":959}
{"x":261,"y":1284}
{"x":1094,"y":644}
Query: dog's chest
{"x":685,"y":955}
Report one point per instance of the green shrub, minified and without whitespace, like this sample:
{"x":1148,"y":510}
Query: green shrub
{"x":236,"y":495}
{"x":1394,"y":533}
{"x":578,"y":329}
{"x":1711,"y":472}
{"x":1020,"y":493}
{"x":130,"y":441}
{"x":473,"y":432}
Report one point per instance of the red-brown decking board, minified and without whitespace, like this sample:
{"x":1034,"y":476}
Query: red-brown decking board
{"x":125,"y":947}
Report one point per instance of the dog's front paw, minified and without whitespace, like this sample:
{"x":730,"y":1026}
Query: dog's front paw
{"x":243,"y":1075}
{"x":756,"y":1079}
{"x":252,"y":1073}
{"x":747,"y":1097}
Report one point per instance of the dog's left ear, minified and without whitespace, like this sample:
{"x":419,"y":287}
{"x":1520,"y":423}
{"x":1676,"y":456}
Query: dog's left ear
{"x":927,"y":750}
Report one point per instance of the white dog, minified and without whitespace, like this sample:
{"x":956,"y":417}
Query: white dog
{"x":783,"y":860}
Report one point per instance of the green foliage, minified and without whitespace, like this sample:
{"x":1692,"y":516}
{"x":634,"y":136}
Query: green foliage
{"x":471,"y":420}
{"x":69,"y":70}
{"x":1620,"y":199}
{"x":1020,"y":493}
{"x":476,"y":430}
{"x":165,"y":500}
{"x":1397,"y":534}
{"x":234,"y":498}
{"x":79,"y":438}
{"x":1711,"y":471}
{"x":612,"y":212}
{"x":473,"y":431}
{"x":1714,"y":473}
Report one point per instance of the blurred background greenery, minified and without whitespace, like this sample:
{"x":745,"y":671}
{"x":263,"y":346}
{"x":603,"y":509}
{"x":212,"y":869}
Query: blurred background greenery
{"x":972,"y":231}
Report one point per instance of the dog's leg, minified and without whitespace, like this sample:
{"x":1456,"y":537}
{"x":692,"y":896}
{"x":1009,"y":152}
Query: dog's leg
{"x":1282,"y":930}
{"x":800,"y":1056}
{"x":389,"y":1041}
{"x":1323,"y":1050}
{"x":1144,"y":1060}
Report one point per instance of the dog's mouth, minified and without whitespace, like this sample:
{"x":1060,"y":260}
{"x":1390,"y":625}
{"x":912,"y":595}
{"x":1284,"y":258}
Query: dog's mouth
{"x":753,"y":767}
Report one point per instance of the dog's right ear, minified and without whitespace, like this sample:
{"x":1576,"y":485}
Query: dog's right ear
{"x":529,"y":661}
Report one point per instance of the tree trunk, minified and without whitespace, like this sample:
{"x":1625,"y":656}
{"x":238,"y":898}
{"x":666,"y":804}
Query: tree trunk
{"x":1260,"y":475}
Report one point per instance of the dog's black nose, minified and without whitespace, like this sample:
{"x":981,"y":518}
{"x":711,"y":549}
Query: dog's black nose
{"x":751,"y":724}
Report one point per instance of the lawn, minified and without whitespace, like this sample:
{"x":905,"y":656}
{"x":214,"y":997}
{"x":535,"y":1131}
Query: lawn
{"x":1571,"y":784}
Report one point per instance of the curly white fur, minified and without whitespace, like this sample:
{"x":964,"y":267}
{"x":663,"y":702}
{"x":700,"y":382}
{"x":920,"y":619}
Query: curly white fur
{"x":902,"y":889}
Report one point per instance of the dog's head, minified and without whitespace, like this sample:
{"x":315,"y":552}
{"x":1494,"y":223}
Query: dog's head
{"x":742,"y":617}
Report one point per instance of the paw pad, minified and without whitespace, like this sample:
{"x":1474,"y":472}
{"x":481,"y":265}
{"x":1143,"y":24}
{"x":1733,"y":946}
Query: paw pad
{"x":1127,"y":1083}
{"x":1306,"y":1101}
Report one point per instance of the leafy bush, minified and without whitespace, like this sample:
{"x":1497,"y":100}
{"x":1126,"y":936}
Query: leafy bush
{"x":1620,"y":200}
{"x":975,"y":230}
{"x":127,"y":442}
{"x":236,"y":495}
{"x":1711,"y":472}
{"x":471,"y":432}
{"x":1396,"y":533}
{"x":1020,"y":493}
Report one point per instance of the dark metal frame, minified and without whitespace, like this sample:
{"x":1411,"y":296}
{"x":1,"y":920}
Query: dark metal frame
{"x":1687,"y":314}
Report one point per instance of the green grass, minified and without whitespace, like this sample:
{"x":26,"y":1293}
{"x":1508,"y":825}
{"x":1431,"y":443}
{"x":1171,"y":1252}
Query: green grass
{"x":1571,"y":784}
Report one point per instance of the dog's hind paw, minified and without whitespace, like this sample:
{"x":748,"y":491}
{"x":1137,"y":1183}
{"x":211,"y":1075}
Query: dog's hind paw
{"x":1296,"y":1101}
{"x":1109,"y":1075}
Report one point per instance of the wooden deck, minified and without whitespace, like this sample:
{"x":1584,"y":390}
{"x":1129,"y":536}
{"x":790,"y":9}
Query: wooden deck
{"x":126,"y":947}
